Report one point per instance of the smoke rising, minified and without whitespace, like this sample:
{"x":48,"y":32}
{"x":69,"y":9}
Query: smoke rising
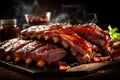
{"x":62,"y":17}
{"x":75,"y":14}
{"x":72,"y":13}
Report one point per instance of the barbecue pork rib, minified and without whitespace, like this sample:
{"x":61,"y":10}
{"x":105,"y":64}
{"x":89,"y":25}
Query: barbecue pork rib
{"x":70,"y":36}
{"x":91,"y":32}
{"x":95,"y":35}
{"x":49,"y":44}
{"x":34,"y":31}
{"x":31,"y":51}
{"x":78,"y":46}
{"x":6,"y":46}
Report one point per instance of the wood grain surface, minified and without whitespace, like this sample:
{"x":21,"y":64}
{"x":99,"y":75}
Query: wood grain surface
{"x":110,"y":72}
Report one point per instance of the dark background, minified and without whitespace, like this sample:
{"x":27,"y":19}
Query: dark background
{"x":107,"y":11}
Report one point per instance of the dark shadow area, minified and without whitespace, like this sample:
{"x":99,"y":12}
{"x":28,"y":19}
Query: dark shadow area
{"x":107,"y":12}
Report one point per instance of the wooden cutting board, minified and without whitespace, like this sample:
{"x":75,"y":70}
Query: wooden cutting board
{"x":91,"y":67}
{"x":79,"y":70}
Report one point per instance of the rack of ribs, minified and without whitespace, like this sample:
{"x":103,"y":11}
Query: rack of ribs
{"x":31,"y":51}
{"x":50,"y":44}
{"x":79,"y":39}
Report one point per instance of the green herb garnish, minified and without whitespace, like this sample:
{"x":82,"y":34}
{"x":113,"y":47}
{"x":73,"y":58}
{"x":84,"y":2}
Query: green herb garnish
{"x":114,"y":33}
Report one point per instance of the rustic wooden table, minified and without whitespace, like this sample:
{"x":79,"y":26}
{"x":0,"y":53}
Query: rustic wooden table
{"x":111,"y":73}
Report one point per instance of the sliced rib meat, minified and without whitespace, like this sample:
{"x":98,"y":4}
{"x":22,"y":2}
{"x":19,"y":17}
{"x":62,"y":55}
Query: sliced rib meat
{"x":94,"y":35}
{"x":70,"y":40}
{"x":32,"y":50}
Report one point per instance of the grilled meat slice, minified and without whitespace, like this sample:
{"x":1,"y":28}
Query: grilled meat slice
{"x":78,"y":46}
{"x":95,"y":35}
{"x":32,"y":51}
{"x":74,"y":38}
{"x":6,"y":46}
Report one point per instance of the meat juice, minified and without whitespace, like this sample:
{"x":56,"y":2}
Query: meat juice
{"x":9,"y":29}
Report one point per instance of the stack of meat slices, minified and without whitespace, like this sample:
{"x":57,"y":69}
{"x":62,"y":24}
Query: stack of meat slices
{"x":50,"y":44}
{"x":83,"y":41}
